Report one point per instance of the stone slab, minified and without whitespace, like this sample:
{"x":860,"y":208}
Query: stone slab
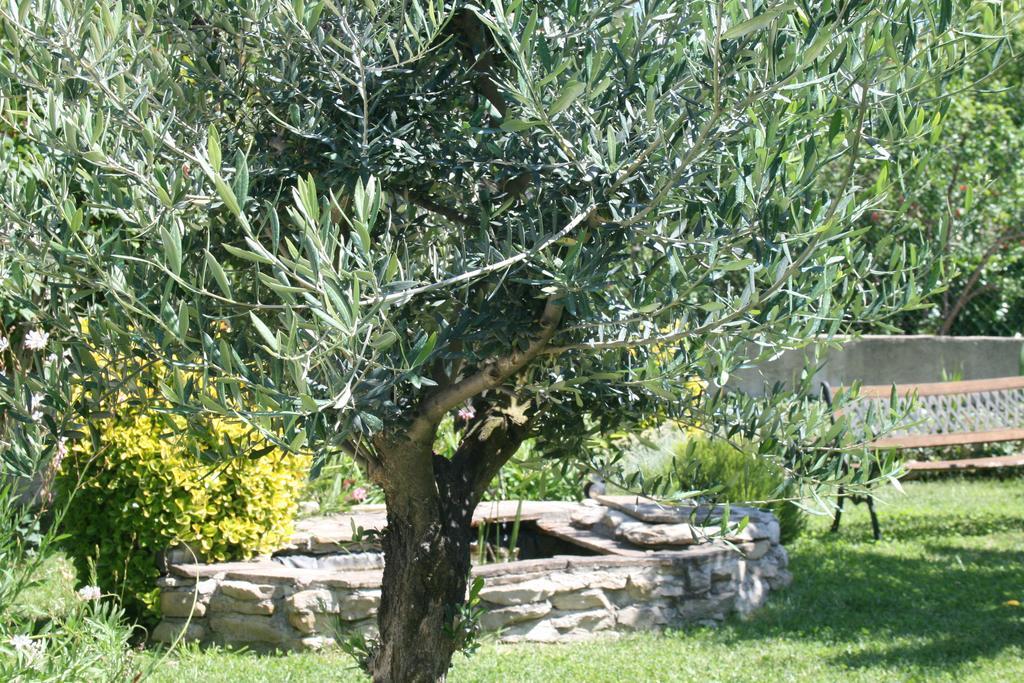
{"x":590,"y":598}
{"x":273,"y":573}
{"x":531,"y":510}
{"x":181,"y":604}
{"x":244,"y":590}
{"x":546,"y":564}
{"x":221,"y":603}
{"x":586,"y":539}
{"x":495,"y":619}
{"x":657,"y":512}
{"x":242,"y":628}
{"x":330,"y":533}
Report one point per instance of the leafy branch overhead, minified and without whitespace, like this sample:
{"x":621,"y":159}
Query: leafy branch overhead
{"x":386,"y":204}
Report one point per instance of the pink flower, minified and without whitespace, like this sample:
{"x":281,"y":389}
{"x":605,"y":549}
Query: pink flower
{"x":62,"y":450}
{"x":359,"y":494}
{"x":467,"y":413}
{"x":36,"y":340}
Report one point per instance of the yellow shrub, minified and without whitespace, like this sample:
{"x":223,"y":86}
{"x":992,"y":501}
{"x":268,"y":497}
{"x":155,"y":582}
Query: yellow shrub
{"x":661,"y":356}
{"x":137,"y":488}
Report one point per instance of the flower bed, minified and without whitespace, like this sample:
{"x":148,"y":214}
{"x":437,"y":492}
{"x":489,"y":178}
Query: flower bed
{"x":618,"y":565}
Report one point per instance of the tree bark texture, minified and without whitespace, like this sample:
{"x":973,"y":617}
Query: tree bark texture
{"x":427,"y":547}
{"x":426,"y":552}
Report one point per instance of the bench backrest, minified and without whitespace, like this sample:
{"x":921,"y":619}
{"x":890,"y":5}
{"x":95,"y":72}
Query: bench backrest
{"x":947,"y":413}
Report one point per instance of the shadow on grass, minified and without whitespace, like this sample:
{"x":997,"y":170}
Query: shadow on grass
{"x":901,"y":527}
{"x":932,"y":595}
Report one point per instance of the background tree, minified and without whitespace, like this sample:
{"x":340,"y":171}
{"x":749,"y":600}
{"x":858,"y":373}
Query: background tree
{"x":352,"y":219}
{"x":968,"y":200}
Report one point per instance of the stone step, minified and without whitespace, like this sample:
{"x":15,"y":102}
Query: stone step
{"x":332,"y":533}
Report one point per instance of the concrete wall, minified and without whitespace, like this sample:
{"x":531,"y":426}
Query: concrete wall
{"x":883,"y":359}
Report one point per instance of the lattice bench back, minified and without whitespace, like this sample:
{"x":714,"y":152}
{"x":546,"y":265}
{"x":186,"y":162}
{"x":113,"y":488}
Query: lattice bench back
{"x":949,"y":413}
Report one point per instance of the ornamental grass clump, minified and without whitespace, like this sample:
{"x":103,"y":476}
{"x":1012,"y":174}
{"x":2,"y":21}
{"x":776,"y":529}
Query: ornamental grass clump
{"x":733,"y":473}
{"x":47,"y":631}
{"x":145,"y":482}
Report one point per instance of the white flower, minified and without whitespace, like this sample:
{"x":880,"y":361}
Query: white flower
{"x":36,"y":340}
{"x":90,"y":593}
{"x":35,"y":653}
{"x":36,"y":406}
{"x":5,"y":344}
{"x":29,"y":648}
{"x":21,"y":643}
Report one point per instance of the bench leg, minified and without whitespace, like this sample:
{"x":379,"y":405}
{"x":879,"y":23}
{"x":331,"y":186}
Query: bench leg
{"x":875,"y":530}
{"x":839,"y":509}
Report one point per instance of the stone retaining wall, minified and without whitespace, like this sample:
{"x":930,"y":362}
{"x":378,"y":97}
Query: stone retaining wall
{"x":268,"y":605}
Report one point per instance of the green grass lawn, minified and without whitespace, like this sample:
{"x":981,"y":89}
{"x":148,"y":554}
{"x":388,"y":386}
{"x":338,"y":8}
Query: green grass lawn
{"x":928,"y":603}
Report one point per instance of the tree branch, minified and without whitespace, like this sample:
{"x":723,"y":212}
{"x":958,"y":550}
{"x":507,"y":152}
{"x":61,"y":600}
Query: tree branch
{"x":425,"y":202}
{"x":485,"y":450}
{"x":491,"y":373}
{"x":483,"y":271}
{"x":478,"y":49}
{"x":966,"y":293}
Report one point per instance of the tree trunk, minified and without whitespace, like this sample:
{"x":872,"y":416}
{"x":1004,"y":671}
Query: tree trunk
{"x":430,"y":503}
{"x":426,"y":567}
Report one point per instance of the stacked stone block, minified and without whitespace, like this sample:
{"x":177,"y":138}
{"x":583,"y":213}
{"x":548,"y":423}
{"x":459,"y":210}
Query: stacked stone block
{"x":676,"y":580}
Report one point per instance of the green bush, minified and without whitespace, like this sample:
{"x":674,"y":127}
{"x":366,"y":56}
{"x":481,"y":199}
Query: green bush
{"x":529,"y":476}
{"x":339,"y":484}
{"x":728,"y":474}
{"x":47,"y":631}
{"x":138,"y":489}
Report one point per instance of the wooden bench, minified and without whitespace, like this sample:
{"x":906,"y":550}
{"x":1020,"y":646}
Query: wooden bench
{"x":941,"y":414}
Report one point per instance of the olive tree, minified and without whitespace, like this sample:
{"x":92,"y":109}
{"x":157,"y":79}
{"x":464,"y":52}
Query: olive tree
{"x":352,"y":219}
